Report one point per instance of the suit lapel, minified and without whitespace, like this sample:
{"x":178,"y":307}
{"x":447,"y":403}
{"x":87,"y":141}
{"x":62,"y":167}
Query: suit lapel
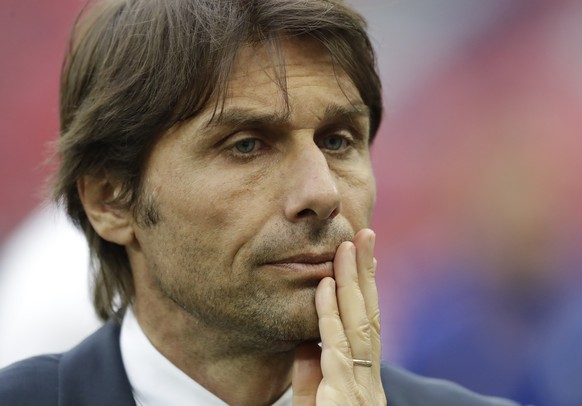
{"x":92,"y":374}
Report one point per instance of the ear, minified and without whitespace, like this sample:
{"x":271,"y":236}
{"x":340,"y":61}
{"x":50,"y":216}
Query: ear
{"x":111,"y":223}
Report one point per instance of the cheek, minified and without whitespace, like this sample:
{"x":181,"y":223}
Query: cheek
{"x":223,"y":205}
{"x":360,"y":187}
{"x":233,"y":199}
{"x":359,"y":198}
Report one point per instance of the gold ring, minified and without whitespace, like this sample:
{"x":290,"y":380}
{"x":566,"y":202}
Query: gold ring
{"x":362,"y":363}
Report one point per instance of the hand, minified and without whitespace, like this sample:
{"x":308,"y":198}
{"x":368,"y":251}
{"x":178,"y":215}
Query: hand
{"x":349,"y":324}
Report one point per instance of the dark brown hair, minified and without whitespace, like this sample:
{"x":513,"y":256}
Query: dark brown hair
{"x":135,"y":68}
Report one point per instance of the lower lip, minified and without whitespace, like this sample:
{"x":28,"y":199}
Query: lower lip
{"x":321,"y":269}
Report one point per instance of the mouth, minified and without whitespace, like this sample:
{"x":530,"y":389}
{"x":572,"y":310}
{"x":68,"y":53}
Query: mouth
{"x":309,"y":264}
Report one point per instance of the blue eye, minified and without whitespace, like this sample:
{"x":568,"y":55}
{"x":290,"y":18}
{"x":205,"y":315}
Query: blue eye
{"x":246,"y":146}
{"x":334,"y":142}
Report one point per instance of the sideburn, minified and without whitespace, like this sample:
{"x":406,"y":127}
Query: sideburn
{"x":146,"y":210}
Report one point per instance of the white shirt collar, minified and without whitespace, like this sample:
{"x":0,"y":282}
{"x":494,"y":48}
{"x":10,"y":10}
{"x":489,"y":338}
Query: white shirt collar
{"x":155,"y":381}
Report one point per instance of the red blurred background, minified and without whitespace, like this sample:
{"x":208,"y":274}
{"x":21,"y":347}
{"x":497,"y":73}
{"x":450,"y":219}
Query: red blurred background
{"x":32,"y":44}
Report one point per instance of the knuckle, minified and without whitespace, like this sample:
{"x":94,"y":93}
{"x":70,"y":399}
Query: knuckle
{"x":372,"y":269}
{"x":338,"y":347}
{"x":361,"y":331}
{"x":343,"y":347}
{"x":375,"y":321}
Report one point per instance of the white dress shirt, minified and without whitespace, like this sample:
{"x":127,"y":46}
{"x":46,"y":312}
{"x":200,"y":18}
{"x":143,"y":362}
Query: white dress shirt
{"x":155,"y":381}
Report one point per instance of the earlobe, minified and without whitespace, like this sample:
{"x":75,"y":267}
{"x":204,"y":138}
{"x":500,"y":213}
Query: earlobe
{"x":111,"y":223}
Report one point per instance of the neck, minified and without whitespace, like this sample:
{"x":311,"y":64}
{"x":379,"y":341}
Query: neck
{"x":239,"y":376}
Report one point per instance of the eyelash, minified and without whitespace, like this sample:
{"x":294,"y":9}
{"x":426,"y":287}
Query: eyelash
{"x":349,"y":141}
{"x":350,"y":138}
{"x":345,"y":142}
{"x":246,"y":140}
{"x":246,"y":156}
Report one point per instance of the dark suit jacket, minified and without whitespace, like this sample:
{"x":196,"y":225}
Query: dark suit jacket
{"x":92,"y":374}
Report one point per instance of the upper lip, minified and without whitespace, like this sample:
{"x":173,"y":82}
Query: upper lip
{"x":307,"y":258}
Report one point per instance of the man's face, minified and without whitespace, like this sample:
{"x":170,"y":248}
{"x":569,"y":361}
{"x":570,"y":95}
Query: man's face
{"x":254,"y":203}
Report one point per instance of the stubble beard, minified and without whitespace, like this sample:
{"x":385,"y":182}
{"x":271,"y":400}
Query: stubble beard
{"x":253,"y":312}
{"x":283,"y":314}
{"x":253,"y":317}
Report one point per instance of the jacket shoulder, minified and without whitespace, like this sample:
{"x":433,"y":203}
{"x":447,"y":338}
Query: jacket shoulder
{"x":90,"y":374}
{"x":33,"y":381}
{"x":404,"y":388}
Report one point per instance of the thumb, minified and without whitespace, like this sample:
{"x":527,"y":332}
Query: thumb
{"x":306,"y":374}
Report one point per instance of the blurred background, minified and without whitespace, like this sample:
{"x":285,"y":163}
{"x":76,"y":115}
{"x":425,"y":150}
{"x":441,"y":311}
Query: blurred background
{"x":478,"y":166}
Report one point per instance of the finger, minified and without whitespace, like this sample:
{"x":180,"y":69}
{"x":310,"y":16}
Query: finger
{"x":336,"y":359}
{"x":306,"y":375}
{"x":366,"y":263}
{"x":352,"y":308}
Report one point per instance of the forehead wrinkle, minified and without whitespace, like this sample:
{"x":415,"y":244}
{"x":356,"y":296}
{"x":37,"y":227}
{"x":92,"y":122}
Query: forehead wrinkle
{"x":236,"y":117}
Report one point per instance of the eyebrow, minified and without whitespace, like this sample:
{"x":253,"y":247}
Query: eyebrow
{"x":239,"y":117}
{"x":341,"y":112}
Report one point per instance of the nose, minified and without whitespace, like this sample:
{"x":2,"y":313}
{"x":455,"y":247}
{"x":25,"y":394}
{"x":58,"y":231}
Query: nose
{"x":312,"y":190}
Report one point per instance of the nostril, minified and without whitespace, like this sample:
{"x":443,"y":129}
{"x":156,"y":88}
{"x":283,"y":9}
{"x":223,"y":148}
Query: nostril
{"x":333,"y":214}
{"x":310,"y":212}
{"x":305,"y":213}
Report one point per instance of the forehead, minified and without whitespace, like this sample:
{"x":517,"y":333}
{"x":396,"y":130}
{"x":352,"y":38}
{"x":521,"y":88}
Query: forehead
{"x":297,"y":52}
{"x":296,"y":67}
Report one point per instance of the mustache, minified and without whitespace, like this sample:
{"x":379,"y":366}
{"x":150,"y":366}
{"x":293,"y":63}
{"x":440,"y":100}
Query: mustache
{"x":302,"y":238}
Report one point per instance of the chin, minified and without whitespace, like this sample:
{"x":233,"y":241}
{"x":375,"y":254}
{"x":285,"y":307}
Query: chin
{"x":296,"y":327}
{"x":306,"y":327}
